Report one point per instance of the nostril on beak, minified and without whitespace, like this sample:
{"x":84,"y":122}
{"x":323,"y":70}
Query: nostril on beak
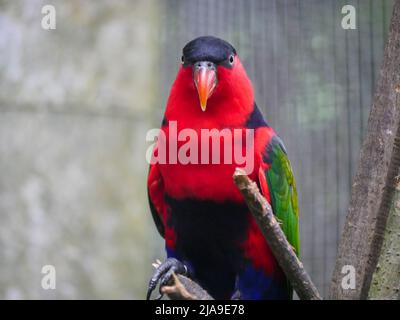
{"x":204,"y":64}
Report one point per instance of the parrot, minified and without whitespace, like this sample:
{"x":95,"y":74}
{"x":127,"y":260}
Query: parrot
{"x":210,"y":234}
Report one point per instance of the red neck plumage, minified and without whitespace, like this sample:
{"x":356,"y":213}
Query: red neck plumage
{"x":229,"y":105}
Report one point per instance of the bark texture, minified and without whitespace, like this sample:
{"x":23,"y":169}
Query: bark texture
{"x":373,"y":186}
{"x":386,"y":279}
{"x":182,"y":288}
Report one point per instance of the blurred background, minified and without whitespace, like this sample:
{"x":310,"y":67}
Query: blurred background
{"x":76,"y":103}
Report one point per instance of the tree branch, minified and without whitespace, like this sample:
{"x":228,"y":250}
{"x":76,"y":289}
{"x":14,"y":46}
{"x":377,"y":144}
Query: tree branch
{"x":273,"y":234}
{"x":385,"y":283}
{"x":373,"y":186}
{"x":182,"y":288}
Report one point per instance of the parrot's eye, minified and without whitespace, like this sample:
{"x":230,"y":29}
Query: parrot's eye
{"x":231,"y":59}
{"x":183,"y":59}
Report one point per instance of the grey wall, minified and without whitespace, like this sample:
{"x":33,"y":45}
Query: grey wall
{"x":76,"y":102}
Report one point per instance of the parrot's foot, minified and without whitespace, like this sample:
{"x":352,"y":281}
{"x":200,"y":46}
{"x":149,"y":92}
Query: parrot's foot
{"x":163,"y":275}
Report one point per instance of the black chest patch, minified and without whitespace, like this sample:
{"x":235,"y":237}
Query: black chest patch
{"x":209,"y":237}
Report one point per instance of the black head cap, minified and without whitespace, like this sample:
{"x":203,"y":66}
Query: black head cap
{"x":207,"y":49}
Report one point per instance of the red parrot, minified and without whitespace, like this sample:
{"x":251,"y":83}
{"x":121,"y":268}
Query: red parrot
{"x":210,"y":235}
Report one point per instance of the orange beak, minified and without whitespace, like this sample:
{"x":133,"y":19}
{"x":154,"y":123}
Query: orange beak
{"x":205,"y":80}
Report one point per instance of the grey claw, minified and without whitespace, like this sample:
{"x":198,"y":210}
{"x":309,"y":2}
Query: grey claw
{"x":163,"y":274}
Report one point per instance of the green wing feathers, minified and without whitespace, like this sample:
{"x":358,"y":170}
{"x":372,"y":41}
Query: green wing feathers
{"x":282,"y":189}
